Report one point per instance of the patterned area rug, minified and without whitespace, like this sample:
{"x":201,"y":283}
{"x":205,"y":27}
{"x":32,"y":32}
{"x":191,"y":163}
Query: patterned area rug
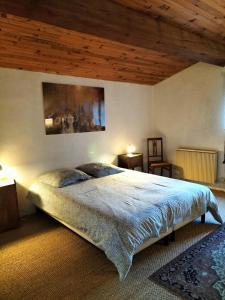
{"x":199,"y":272}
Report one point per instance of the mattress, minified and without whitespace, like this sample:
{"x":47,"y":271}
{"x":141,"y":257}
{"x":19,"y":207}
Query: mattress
{"x":120,"y":212}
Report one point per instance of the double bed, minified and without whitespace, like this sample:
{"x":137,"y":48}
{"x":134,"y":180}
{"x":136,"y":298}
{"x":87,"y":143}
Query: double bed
{"x":124,"y":213}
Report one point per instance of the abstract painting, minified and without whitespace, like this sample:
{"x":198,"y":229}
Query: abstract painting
{"x":73,"y":108}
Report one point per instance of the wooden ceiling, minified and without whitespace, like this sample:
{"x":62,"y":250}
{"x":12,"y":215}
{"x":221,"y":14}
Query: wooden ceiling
{"x":204,"y":17}
{"x":137,"y":41}
{"x":36,"y":46}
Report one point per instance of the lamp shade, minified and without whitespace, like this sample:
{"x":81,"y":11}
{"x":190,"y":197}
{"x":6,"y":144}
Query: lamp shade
{"x":131,"y":149}
{"x":4,"y":178}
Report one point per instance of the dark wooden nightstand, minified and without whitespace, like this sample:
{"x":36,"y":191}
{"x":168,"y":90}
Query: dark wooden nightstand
{"x":9,"y":213}
{"x":131,"y":161}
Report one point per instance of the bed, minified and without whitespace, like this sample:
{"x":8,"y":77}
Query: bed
{"x":123,"y":213}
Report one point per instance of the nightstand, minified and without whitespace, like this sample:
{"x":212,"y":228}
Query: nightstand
{"x":131,"y":161}
{"x":9,"y":213}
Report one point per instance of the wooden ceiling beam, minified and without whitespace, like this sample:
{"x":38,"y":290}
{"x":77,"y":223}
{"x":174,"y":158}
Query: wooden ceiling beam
{"x":109,"y":20}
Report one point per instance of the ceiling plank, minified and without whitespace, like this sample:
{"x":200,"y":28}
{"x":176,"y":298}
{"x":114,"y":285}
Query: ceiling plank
{"x":115,"y":22}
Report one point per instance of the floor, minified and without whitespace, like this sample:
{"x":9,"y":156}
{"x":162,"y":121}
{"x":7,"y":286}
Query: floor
{"x":44,"y":260}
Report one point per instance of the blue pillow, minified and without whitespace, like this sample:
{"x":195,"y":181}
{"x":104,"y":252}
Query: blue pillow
{"x":63,"y":177}
{"x":99,"y":169}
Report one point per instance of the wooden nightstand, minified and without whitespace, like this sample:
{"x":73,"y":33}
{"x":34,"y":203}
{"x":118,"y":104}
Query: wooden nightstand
{"x":131,"y":161}
{"x":9,"y":213}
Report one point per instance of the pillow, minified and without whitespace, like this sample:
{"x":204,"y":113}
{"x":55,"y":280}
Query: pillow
{"x":63,"y":177}
{"x":99,"y":169}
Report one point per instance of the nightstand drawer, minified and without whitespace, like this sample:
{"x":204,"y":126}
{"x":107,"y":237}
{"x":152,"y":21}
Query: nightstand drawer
{"x":4,"y":215}
{"x":9,"y":215}
{"x":135,"y":161}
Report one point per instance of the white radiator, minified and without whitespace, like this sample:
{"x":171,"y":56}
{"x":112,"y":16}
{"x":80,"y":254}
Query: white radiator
{"x":197,"y":164}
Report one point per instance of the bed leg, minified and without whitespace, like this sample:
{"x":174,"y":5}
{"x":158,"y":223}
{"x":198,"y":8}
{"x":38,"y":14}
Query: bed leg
{"x":172,"y":236}
{"x":203,"y":219}
{"x":166,"y":240}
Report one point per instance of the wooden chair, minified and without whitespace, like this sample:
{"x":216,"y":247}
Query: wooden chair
{"x":155,"y":156}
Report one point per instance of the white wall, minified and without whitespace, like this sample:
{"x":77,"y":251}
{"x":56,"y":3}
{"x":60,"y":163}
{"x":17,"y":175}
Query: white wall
{"x":189,"y":110}
{"x":25,"y":150}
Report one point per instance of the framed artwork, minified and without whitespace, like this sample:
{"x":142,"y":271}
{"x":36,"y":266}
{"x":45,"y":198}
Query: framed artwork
{"x":73,"y":108}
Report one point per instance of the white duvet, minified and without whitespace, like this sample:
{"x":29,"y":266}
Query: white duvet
{"x":120,"y":212}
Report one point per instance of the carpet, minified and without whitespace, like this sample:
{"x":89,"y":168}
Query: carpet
{"x":44,"y":260}
{"x":199,"y":272}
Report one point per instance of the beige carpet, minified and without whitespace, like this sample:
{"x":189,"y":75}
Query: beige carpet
{"x":44,"y":260}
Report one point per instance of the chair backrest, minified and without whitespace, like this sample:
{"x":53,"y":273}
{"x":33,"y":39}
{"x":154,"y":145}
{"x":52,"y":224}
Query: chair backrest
{"x":155,"y":149}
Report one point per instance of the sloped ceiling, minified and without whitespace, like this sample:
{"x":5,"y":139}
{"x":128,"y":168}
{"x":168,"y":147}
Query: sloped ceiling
{"x":204,"y":17}
{"x":136,"y":41}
